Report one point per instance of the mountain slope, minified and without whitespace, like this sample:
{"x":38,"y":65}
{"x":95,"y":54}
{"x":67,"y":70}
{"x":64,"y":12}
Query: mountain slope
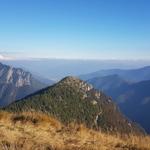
{"x":15,"y":84}
{"x":132,"y":98}
{"x":134,"y":101}
{"x":132,"y":75}
{"x":37,"y":131}
{"x":73,"y":100}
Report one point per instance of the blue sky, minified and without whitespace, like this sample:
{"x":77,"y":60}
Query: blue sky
{"x":84,"y":29}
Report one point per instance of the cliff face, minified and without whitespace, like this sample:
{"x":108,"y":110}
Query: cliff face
{"x":16,"y":83}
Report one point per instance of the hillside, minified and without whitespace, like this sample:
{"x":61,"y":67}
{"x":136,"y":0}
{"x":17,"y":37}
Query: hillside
{"x":132,"y":98}
{"x":15,"y":84}
{"x":73,"y":100}
{"x":37,"y":131}
{"x":134,"y":101}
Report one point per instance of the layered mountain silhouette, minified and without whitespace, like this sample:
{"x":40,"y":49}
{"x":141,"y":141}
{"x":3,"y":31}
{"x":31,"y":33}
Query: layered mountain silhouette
{"x":109,"y":82}
{"x":16,"y":83}
{"x":132,"y":98}
{"x":131,"y":75}
{"x":73,"y":100}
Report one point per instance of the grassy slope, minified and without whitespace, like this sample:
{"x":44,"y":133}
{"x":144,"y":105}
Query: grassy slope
{"x":30,"y":131}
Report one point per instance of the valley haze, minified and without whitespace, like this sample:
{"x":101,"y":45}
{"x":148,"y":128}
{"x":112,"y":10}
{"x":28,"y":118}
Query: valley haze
{"x":56,"y":69}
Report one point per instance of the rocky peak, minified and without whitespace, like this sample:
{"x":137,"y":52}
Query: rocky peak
{"x":75,"y":82}
{"x":83,"y":87}
{"x":15,"y":83}
{"x":16,"y":76}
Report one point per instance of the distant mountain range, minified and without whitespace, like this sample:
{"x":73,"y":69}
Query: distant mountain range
{"x":16,"y":83}
{"x":56,"y":69}
{"x":130,"y":92}
{"x":73,"y":100}
{"x":132,"y":75}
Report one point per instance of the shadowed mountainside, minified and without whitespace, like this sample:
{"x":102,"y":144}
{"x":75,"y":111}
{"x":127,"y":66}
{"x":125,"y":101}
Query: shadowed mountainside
{"x":132,"y":98}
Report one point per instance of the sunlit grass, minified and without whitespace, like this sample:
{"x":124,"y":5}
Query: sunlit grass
{"x":37,"y":131}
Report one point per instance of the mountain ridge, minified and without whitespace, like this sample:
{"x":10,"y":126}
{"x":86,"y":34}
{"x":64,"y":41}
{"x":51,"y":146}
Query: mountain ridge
{"x":71,"y":100}
{"x":131,"y":75}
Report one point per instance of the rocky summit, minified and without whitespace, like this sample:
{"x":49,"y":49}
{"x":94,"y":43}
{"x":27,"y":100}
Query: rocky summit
{"x":15,"y":84}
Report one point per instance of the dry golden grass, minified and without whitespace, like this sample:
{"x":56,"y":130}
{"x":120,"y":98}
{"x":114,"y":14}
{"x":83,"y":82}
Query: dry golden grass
{"x":36,"y":131}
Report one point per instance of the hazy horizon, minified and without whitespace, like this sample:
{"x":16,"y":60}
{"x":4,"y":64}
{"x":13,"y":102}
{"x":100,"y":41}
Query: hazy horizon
{"x":56,"y":69}
{"x":87,"y":29}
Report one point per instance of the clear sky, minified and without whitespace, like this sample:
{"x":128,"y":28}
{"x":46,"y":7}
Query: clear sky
{"x":94,"y":29}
